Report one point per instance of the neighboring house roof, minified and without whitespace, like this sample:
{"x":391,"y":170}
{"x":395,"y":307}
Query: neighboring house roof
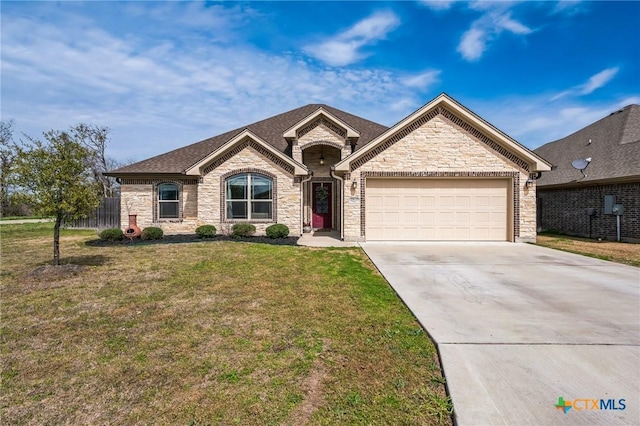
{"x":444,"y":101}
{"x":612,"y":143}
{"x":270,"y":130}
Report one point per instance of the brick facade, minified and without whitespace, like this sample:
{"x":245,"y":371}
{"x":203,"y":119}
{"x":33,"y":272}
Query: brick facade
{"x":566,"y":210}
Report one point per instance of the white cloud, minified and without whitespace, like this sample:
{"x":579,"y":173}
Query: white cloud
{"x":505,"y":22}
{"x":598,"y":80}
{"x":473,"y":44}
{"x":534,"y":120}
{"x":345,"y":48}
{"x":568,"y":7}
{"x":157,"y":95}
{"x":495,"y":20}
{"x":438,"y":4}
{"x":423,"y":80}
{"x":594,"y":83}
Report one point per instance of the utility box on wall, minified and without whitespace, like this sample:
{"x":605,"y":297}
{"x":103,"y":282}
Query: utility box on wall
{"x":609,"y":201}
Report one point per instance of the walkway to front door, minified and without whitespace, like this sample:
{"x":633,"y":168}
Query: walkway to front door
{"x":321,"y":205}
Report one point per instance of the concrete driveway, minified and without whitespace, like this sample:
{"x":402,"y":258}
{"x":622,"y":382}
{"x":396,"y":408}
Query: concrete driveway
{"x":518,"y":326}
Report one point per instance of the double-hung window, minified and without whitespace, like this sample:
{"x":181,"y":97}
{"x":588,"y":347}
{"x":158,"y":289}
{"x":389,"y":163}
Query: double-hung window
{"x":168,"y":201}
{"x":249,"y":196}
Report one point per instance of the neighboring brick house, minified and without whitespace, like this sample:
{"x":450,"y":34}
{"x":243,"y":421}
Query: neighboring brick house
{"x":574,"y":204}
{"x":442,"y":173}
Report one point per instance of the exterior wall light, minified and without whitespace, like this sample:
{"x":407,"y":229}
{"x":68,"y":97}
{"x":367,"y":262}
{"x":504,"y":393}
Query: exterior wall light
{"x":354,"y":184}
{"x":529,"y":183}
{"x":321,"y":159}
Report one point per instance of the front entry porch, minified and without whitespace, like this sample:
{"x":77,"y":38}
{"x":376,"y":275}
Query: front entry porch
{"x":322,"y":204}
{"x":322,"y":193}
{"x":324,"y":239}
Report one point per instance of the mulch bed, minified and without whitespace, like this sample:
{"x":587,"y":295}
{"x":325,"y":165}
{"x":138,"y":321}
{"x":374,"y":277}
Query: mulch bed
{"x":193,"y":238}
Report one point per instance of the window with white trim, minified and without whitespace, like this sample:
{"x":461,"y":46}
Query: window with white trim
{"x":249,"y":196}
{"x":168,"y":201}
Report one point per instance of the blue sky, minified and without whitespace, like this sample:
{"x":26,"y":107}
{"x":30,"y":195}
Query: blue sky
{"x":166,"y":74}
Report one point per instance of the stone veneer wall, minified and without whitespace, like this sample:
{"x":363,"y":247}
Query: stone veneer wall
{"x":312,"y":155}
{"x":286,"y":193}
{"x":202,"y":203}
{"x":566,"y":210}
{"x":320,"y":133}
{"x":440,"y":148}
{"x":316,"y":133}
{"x":137,"y":197}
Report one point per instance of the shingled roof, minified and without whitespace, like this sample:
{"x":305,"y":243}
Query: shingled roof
{"x":612,"y":143}
{"x":270,"y":130}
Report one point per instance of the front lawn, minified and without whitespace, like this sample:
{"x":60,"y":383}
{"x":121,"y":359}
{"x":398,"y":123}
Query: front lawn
{"x":214,"y":332}
{"x":613,"y":251}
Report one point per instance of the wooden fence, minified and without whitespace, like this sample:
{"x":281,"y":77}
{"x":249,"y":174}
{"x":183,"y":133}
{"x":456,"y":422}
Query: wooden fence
{"x":107,"y":215}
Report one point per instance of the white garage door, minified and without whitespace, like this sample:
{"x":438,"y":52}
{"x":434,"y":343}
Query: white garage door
{"x":437,"y":209}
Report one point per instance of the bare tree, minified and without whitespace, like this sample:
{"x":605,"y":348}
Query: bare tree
{"x":96,"y":139}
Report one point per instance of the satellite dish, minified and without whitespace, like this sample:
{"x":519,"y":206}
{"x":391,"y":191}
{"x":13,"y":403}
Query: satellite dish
{"x":581,"y":164}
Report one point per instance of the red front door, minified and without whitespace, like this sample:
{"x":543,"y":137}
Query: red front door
{"x":321,"y":206}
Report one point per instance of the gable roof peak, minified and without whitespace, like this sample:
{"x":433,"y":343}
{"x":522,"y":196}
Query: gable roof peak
{"x":445,"y":102}
{"x":325,"y":110}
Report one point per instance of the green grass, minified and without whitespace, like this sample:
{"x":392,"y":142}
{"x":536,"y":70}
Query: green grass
{"x":23,"y":217}
{"x":208,"y":333}
{"x":612,"y":251}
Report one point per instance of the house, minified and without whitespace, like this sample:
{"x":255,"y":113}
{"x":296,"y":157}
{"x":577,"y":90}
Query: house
{"x":442,"y":173}
{"x":580,"y":201}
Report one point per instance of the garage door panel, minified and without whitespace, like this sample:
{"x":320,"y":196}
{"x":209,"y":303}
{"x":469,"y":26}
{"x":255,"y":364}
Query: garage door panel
{"x":411,"y":217}
{"x":429,"y":201}
{"x":446,"y":200}
{"x":391,"y":218}
{"x":376,"y":217}
{"x":463,"y":201}
{"x":391,"y":201}
{"x":437,"y":209}
{"x":483,"y":217}
{"x":463,"y":217}
{"x":427,"y":217}
{"x":374,"y":201}
{"x":446,"y":217}
{"x":481,"y":201}
{"x":410,"y":201}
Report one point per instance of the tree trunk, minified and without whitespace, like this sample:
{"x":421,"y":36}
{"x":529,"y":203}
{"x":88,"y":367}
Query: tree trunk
{"x":56,"y":240}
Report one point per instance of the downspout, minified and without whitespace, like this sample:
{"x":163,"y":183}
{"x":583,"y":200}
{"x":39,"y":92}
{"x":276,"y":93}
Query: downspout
{"x":333,"y":175}
{"x":302,"y":182}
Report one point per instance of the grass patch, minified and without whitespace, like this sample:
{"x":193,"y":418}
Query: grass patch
{"x":206,"y":333}
{"x":24,"y":217}
{"x":625,"y":253}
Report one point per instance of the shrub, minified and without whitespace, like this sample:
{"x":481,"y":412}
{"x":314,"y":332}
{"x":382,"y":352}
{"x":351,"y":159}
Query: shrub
{"x":206,"y":231}
{"x":243,"y":230}
{"x":152,"y":233}
{"x":113,"y":234}
{"x":278,"y":230}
